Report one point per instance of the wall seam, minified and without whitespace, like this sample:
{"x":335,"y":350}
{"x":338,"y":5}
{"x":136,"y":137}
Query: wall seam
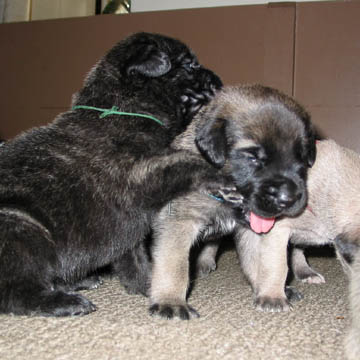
{"x":294,"y":50}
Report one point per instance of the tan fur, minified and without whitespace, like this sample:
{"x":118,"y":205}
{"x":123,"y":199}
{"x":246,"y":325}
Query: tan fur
{"x":333,"y":209}
{"x":170,"y":273}
{"x":249,"y":113}
{"x":176,"y":230}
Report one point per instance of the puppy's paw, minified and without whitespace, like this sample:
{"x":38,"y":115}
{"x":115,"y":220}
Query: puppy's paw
{"x":310,"y":276}
{"x":229,"y":194}
{"x":204,"y":267}
{"x":169,"y":311}
{"x":270,"y":304}
{"x":293,"y":294}
{"x":59,"y":303}
{"x":316,"y":278}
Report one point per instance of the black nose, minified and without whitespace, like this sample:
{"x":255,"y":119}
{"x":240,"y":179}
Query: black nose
{"x":283,"y":194}
{"x":286,"y":198}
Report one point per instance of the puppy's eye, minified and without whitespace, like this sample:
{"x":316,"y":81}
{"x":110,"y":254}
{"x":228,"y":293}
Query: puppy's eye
{"x":252,"y":158}
{"x":256,"y":158}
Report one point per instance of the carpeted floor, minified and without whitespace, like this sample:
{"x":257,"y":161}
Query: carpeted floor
{"x":229,"y":327}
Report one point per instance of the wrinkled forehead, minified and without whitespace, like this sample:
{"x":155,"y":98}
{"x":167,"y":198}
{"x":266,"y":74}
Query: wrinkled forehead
{"x":276,"y":129}
{"x":274,"y":121}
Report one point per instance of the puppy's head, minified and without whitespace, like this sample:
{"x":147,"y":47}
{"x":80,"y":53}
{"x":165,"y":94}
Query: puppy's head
{"x":264,"y":140}
{"x":152,"y":73}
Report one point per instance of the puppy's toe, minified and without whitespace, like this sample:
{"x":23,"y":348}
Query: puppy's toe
{"x":293,"y":294}
{"x":271,"y":304}
{"x":169,"y":311}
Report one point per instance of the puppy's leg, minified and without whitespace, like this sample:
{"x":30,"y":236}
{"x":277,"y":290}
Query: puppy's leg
{"x":173,"y":238}
{"x":352,"y":340}
{"x":264,"y":260}
{"x":302,"y":270}
{"x":206,"y":262}
{"x":134,"y":270}
{"x":28,"y":286}
{"x":157,"y":181}
{"x":248,"y":247}
{"x":272,"y":272}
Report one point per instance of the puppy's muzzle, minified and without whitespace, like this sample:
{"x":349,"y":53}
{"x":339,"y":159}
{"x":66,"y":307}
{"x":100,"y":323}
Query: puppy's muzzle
{"x":279,"y":196}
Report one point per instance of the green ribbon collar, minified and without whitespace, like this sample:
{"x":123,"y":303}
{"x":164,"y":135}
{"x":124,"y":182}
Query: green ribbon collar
{"x":115,"y":111}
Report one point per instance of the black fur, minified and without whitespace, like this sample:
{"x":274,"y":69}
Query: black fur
{"x":211,"y":142}
{"x":80,"y":194}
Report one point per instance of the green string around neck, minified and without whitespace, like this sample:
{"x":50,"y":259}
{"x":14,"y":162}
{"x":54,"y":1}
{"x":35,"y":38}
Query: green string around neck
{"x":115,"y":111}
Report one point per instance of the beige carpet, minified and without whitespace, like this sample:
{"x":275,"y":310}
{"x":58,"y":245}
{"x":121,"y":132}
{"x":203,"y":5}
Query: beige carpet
{"x":229,"y":327}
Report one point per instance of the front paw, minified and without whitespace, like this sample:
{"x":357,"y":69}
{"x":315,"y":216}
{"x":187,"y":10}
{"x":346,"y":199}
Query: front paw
{"x":59,"y":303}
{"x":170,"y":311}
{"x":231,"y":195}
{"x":272,"y":304}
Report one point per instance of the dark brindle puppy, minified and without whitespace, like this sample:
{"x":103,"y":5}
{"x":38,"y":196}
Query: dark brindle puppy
{"x":80,"y":193}
{"x":260,"y":138}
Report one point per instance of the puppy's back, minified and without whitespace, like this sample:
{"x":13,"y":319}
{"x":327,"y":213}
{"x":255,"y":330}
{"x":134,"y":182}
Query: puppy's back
{"x":334,"y":184}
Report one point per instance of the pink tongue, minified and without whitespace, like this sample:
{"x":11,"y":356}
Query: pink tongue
{"x":259,"y":224}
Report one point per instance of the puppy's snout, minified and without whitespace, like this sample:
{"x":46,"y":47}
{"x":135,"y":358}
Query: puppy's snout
{"x":287,"y":196}
{"x":284,"y":194}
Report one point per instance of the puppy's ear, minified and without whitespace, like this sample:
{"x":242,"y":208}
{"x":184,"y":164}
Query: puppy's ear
{"x":212,"y":143}
{"x":148,"y":60}
{"x":311,"y":147}
{"x":311,"y":153}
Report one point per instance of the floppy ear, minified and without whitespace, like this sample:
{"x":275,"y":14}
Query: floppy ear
{"x":311,"y":145}
{"x":148,"y":60}
{"x":211,"y":142}
{"x":311,"y":152}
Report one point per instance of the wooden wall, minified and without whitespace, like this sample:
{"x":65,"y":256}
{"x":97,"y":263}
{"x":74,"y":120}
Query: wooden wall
{"x":309,"y":50}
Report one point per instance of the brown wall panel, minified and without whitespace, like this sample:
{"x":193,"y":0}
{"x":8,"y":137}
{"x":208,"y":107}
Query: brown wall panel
{"x":43,"y":63}
{"x":327,"y":67}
